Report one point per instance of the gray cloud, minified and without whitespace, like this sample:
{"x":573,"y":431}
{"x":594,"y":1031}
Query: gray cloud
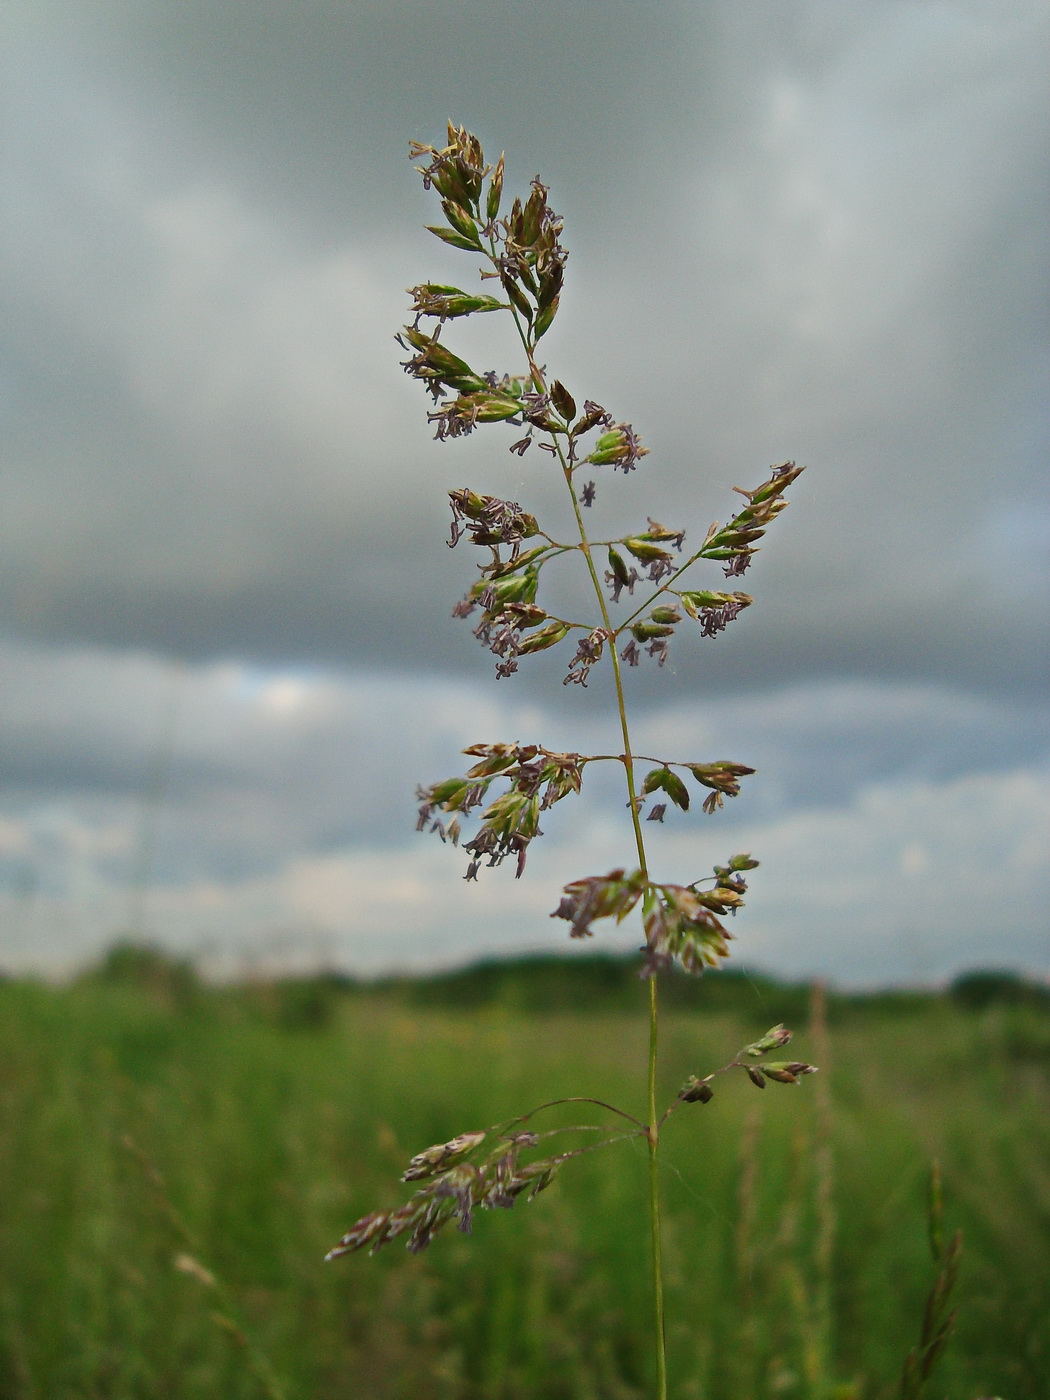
{"x":900,"y":884}
{"x":812,"y":233}
{"x":296,"y":759}
{"x":226,"y":801}
{"x":827,"y":256}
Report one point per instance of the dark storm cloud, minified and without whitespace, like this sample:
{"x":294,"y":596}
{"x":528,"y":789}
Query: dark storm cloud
{"x":810,"y":231}
{"x":809,"y":235}
{"x":306,"y":109}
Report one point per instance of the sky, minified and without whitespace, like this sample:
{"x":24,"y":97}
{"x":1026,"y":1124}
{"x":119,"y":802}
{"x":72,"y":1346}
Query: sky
{"x":812,"y":231}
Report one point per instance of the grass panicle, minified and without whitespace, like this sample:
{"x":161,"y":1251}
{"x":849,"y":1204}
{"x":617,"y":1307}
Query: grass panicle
{"x":504,"y":795}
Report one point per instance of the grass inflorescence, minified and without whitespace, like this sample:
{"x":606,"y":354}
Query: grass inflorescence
{"x":494,"y":808}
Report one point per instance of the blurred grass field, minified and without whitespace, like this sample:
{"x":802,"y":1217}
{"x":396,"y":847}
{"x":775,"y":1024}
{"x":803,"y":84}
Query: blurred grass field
{"x":264,"y":1119}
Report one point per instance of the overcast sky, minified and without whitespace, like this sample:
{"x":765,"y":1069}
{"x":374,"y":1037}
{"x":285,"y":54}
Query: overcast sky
{"x":813,"y":230}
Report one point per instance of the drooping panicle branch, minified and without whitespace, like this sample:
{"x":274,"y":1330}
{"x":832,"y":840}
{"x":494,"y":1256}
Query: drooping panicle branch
{"x":458,"y":1179}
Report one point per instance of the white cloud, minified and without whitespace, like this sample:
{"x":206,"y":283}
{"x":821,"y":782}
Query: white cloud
{"x":830,"y":246}
{"x":907,"y":882}
{"x":285,"y":814}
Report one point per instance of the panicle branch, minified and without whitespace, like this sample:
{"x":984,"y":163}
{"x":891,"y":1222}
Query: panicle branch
{"x":681,"y":922}
{"x":696,"y":1090}
{"x":537,"y":778}
{"x":458,"y":1180}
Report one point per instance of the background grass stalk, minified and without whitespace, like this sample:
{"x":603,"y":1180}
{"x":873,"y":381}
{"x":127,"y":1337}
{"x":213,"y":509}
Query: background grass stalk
{"x":824,"y":1190}
{"x":654,"y":1200}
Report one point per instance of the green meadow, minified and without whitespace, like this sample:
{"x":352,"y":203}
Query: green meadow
{"x":176,"y":1159}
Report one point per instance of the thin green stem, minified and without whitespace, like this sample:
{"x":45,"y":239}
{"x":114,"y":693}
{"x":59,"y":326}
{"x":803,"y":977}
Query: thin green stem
{"x":652,"y":1132}
{"x":663,"y":588}
{"x":654,"y":1199}
{"x":576,"y":1098}
{"x":680,"y":1097}
{"x":585,"y":547}
{"x":641,"y":757}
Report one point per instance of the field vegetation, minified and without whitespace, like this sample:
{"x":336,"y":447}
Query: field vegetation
{"x":176,"y":1159}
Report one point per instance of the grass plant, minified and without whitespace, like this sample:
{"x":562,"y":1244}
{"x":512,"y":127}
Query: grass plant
{"x":511,"y":784}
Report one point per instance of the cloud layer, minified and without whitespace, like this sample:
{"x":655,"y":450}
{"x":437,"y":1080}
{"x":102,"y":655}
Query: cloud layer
{"x":252,"y":813}
{"x":224,"y":597}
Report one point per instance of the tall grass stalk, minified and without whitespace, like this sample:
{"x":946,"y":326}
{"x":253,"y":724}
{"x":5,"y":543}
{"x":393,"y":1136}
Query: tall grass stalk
{"x":745,"y":1354}
{"x":520,"y":250}
{"x":824,"y":1188}
{"x":187,"y":1261}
